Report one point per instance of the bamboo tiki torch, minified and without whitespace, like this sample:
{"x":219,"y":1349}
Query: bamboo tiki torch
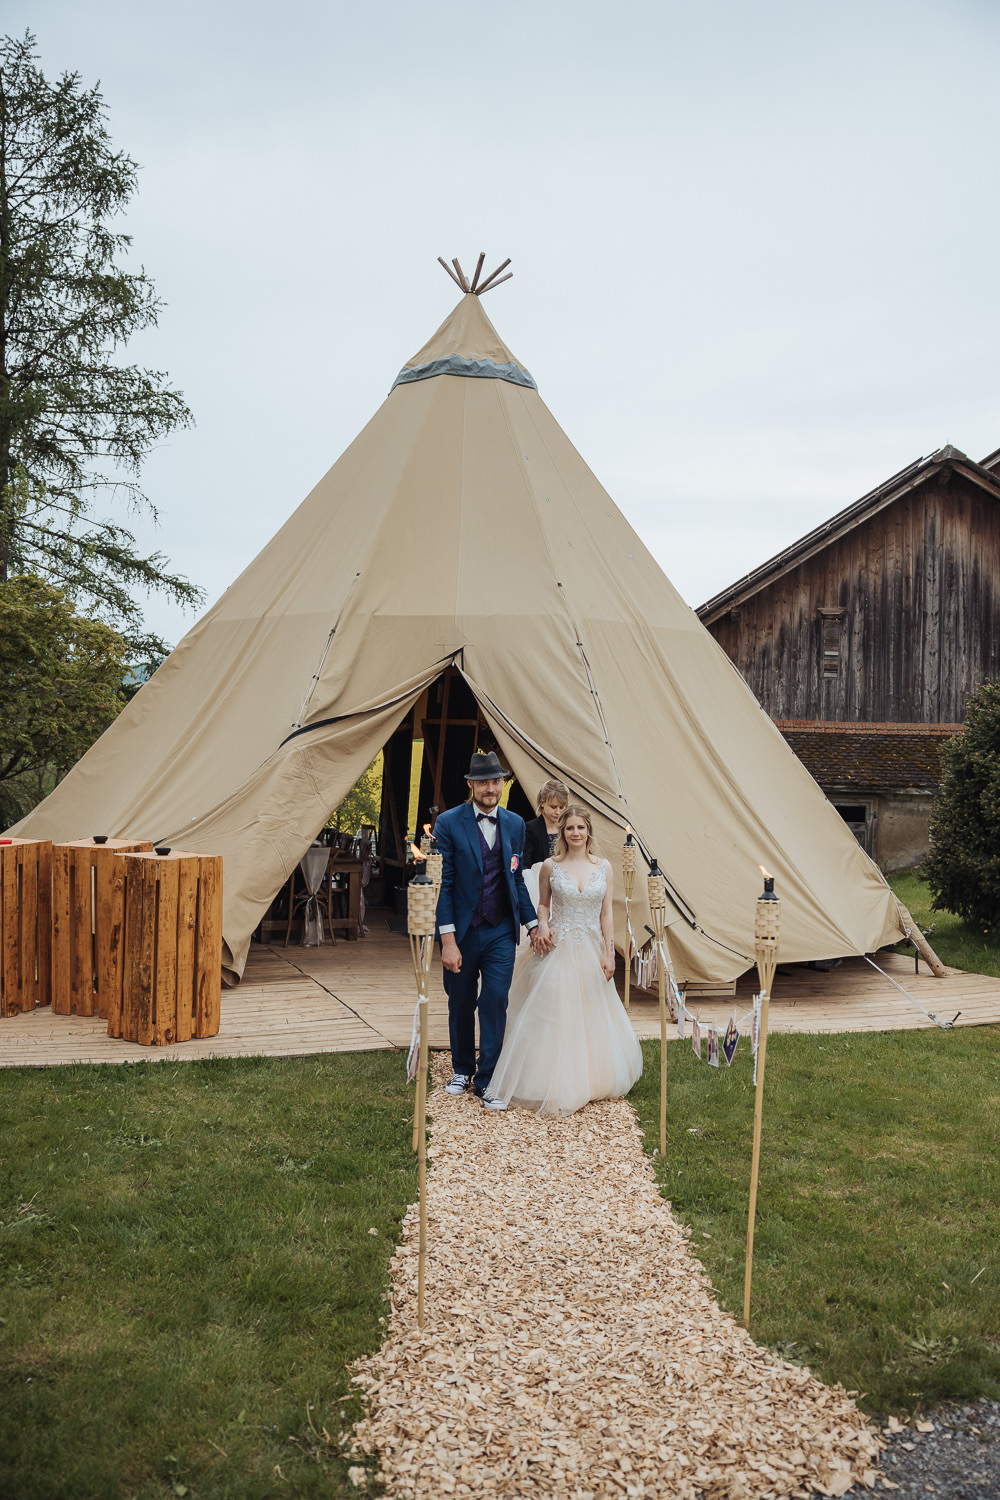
{"x":421,"y":909}
{"x":767,"y":927}
{"x":628,"y":884}
{"x":435,"y":859}
{"x":432,"y":867}
{"x":657,"y":892}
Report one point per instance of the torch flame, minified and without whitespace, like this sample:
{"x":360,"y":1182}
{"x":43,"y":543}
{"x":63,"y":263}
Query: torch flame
{"x":766,"y":873}
{"x":628,"y":830}
{"x":416,"y":852}
{"x":427,"y":829}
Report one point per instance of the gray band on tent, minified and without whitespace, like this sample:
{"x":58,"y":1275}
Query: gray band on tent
{"x":454,"y":364}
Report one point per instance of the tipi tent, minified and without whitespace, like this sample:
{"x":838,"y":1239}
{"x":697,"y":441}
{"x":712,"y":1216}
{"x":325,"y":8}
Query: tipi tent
{"x":462,"y":528}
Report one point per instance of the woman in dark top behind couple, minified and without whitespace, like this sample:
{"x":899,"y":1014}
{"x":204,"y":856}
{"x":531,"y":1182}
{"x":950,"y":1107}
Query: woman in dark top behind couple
{"x":541,"y":833}
{"x":568,"y":1038}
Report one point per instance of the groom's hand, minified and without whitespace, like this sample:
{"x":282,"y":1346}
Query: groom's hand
{"x":541,"y":939}
{"x":450,"y":955}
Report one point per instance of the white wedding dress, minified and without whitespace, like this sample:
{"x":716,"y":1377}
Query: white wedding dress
{"x":568,"y":1039}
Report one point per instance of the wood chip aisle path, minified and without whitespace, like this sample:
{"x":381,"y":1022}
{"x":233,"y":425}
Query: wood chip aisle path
{"x":572,"y":1347}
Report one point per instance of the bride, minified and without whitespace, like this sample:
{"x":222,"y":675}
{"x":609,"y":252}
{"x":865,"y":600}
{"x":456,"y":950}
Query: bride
{"x":568,"y":1039}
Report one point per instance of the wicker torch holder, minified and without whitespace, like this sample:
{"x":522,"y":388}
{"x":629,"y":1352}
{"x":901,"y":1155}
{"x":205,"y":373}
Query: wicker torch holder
{"x":767,"y":930}
{"x":435,"y":865}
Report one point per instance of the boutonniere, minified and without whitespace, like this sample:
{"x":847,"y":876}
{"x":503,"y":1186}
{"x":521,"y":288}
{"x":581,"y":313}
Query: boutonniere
{"x":513,"y":864}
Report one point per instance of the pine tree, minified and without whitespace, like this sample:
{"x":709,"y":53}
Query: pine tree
{"x":963,"y":868}
{"x":75,"y":421}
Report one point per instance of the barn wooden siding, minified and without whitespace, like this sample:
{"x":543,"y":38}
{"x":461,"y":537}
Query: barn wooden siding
{"x":919,"y":586}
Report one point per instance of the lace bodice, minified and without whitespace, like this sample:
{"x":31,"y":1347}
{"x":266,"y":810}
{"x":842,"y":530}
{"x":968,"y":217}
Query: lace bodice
{"x":574,"y":912}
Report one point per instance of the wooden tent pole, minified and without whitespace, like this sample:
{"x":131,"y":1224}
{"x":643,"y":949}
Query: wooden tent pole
{"x":485,"y":285}
{"x":442,"y":732}
{"x":393,"y":814}
{"x":921,"y":944}
{"x":451,"y":273}
{"x":498,"y":282}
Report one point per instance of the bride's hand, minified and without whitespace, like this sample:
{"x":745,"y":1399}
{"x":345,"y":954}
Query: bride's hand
{"x":608,"y":965}
{"x":544,"y":941}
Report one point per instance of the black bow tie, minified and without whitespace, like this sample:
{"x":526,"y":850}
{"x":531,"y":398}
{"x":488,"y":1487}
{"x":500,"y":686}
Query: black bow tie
{"x":486,"y":817}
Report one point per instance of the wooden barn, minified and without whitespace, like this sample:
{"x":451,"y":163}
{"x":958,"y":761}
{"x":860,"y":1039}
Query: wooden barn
{"x":863,"y":640}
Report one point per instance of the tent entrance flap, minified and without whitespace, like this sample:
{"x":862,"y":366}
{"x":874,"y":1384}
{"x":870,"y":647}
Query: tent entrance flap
{"x":532,"y":765}
{"x":263,"y":829}
{"x":426,"y":761}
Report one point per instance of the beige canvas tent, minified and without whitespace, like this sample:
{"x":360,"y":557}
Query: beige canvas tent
{"x":462,"y":529}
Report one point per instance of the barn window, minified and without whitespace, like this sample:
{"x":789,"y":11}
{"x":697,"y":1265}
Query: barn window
{"x":860,"y":819}
{"x":830,"y":637}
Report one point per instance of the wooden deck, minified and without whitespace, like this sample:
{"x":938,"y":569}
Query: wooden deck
{"x":360,"y":996}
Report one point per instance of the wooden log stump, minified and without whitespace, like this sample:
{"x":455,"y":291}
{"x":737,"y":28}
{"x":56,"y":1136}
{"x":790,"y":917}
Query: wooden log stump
{"x":25,"y":924}
{"x":167,"y":933}
{"x":83,"y":954}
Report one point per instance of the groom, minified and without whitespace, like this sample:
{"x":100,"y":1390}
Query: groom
{"x":481,"y":907}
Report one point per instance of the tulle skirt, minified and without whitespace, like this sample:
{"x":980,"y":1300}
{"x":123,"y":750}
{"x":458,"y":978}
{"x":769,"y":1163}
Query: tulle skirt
{"x":568,"y":1039}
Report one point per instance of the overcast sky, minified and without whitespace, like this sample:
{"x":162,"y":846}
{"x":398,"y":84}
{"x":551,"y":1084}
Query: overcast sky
{"x":755,"y":245}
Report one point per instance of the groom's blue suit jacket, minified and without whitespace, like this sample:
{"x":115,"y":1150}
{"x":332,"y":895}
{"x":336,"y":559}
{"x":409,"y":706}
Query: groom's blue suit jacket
{"x":457,"y":835}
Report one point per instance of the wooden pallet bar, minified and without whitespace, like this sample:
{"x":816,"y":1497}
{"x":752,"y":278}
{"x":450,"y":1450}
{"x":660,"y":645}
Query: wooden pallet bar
{"x":84,"y":944}
{"x":25,"y":925}
{"x":167,"y":909}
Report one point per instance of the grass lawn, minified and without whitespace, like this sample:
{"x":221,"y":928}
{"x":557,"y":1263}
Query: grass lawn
{"x":190,"y":1257}
{"x":875,"y":1246}
{"x":953,"y":940}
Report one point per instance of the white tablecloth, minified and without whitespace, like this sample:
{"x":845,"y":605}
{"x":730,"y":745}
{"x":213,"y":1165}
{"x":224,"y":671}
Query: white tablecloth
{"x":313,"y":866}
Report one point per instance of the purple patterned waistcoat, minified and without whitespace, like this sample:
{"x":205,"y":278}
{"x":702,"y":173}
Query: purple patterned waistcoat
{"x":494,"y":903}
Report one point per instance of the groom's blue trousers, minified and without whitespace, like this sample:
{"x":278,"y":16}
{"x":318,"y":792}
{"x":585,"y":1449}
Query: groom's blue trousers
{"x":487,"y":961}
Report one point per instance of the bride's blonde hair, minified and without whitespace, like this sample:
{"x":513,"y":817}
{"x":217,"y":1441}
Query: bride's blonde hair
{"x":574,"y":810}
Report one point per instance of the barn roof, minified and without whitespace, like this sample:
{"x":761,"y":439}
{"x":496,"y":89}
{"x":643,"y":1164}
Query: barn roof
{"x":870,"y":757}
{"x":917,"y":473}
